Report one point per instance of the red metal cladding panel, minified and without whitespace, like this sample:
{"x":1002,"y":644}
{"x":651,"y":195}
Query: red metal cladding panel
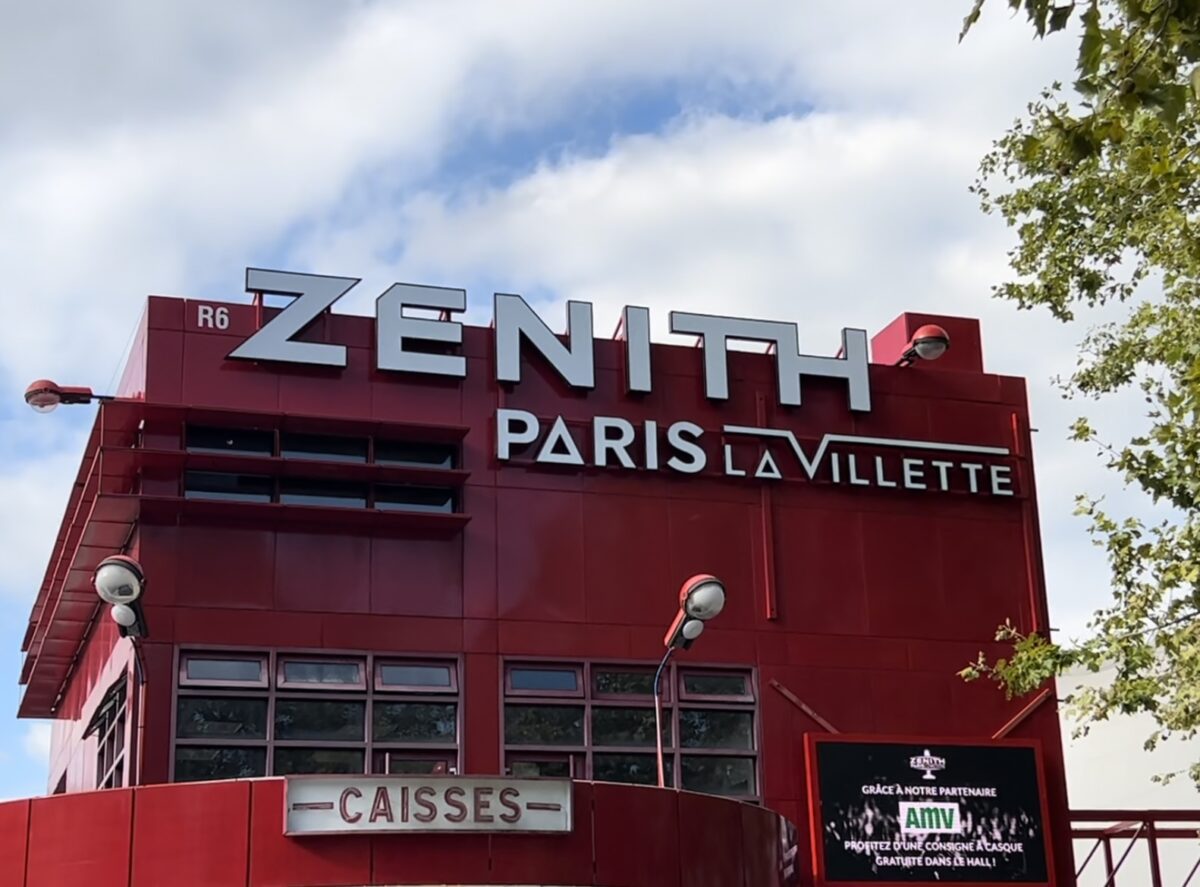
{"x":431,"y":859}
{"x":716,"y":538}
{"x":279,"y":861}
{"x":819,"y":571}
{"x":540,"y":550}
{"x":66,"y":848}
{"x":176,"y":829}
{"x":322,"y":572}
{"x":549,"y":859}
{"x":328,"y":392}
{"x":710,"y":831}
{"x":481,"y":713}
{"x":209,"y":380}
{"x":14,"y":836}
{"x":637,"y":526}
{"x":227,"y":567}
{"x":416,"y":577}
{"x":637,"y":845}
{"x":762,"y":850}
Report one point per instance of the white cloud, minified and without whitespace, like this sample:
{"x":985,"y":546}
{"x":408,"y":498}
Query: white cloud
{"x":36,"y":740}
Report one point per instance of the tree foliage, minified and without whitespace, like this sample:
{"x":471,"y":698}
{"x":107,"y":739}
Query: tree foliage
{"x":1101,"y":181}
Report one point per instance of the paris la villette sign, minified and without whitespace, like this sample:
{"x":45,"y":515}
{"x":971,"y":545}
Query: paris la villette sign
{"x":425,"y":344}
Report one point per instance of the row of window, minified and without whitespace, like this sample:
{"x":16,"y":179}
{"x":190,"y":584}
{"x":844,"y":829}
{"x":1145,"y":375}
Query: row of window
{"x":323,"y":447}
{"x":327,"y":493}
{"x":250,"y":715}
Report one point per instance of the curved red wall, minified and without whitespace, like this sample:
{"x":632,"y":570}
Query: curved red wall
{"x":229,"y":834}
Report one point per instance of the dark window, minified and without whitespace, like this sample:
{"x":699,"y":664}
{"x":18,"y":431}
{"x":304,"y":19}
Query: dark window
{"x":633,"y":768}
{"x":317,"y":760}
{"x":709,"y":744}
{"x":235,"y":487}
{"x":399,"y":762}
{"x":530,"y":768}
{"x":719,"y":775}
{"x":309,"y":714}
{"x":400,"y":676}
{"x":625,"y":727}
{"x":243,"y":441}
{"x":319,"y":673}
{"x":700,"y":728}
{"x":324,"y":719}
{"x":109,"y":726}
{"x":621,"y":682}
{"x":401,"y":497}
{"x":415,"y":722}
{"x":322,"y":492}
{"x":715,"y":684}
{"x":223,"y":717}
{"x":196,"y":762}
{"x":421,"y":455}
{"x":323,"y":447}
{"x":560,"y":680}
{"x":543,"y":724}
{"x":213,"y":670}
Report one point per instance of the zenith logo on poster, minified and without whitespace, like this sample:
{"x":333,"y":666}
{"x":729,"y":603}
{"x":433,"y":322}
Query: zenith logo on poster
{"x":426,"y":345}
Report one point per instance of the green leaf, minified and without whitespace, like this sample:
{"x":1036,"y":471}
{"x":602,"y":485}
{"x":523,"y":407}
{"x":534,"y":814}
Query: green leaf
{"x":971,"y":18}
{"x":1091,"y":44}
{"x":1059,"y":16}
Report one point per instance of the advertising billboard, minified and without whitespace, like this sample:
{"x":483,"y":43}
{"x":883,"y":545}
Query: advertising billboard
{"x":927,"y":811}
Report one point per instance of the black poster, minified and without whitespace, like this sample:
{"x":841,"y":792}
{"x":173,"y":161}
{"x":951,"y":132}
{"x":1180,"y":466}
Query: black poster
{"x":928,"y":812}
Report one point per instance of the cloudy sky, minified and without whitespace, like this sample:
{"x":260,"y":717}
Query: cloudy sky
{"x":805,"y":161}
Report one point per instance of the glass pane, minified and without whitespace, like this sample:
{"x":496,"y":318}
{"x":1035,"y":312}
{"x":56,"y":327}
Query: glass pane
{"x":415,"y":675}
{"x":555,"y":679}
{"x":423,"y":455}
{"x":533,"y":769}
{"x":320,"y":446}
{"x":417,"y":766}
{"x":317,"y":760}
{"x":224,"y":669}
{"x":233,"y":487}
{"x":718,"y":775}
{"x":319,"y":719}
{"x":716,"y":729}
{"x":302,"y":672}
{"x":198,"y":717}
{"x":322,"y":492}
{"x":543,"y":724}
{"x":715,"y":684}
{"x":199,"y":762}
{"x":244,"y":442}
{"x":635,"y":769}
{"x":625,"y":683}
{"x":627,"y":726}
{"x":415,"y":722}
{"x":409,"y":498}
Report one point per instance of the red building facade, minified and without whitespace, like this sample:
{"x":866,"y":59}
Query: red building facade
{"x":355,"y":569}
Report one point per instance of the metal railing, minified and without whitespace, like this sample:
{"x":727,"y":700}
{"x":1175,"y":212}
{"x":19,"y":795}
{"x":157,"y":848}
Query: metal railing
{"x":1145,"y":848}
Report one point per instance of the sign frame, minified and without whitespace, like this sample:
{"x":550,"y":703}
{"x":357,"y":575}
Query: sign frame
{"x":450,"y":780}
{"x":816,"y":838}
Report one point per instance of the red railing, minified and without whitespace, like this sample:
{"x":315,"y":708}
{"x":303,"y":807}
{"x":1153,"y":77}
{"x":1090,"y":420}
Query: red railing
{"x":1143,"y":848}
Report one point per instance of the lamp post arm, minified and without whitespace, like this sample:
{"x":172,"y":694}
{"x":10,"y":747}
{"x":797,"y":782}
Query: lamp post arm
{"x":658,"y":742}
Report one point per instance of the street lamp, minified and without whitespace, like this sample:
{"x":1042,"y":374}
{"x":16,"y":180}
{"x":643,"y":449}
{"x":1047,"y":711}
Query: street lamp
{"x":929,"y":342}
{"x":44,"y":396}
{"x":700,"y":599}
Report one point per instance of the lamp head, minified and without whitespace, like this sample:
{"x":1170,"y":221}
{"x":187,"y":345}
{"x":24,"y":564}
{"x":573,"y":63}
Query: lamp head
{"x":119,"y":580}
{"x":929,"y":342}
{"x":43,"y":396}
{"x":702,"y":597}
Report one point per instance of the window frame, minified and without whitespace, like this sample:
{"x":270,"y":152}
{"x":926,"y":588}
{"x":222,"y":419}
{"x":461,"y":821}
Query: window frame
{"x":589,"y":699}
{"x":427,"y":689}
{"x":271,"y":691}
{"x":580,"y":691}
{"x":186,"y":681}
{"x":686,"y":696}
{"x":282,"y":682}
